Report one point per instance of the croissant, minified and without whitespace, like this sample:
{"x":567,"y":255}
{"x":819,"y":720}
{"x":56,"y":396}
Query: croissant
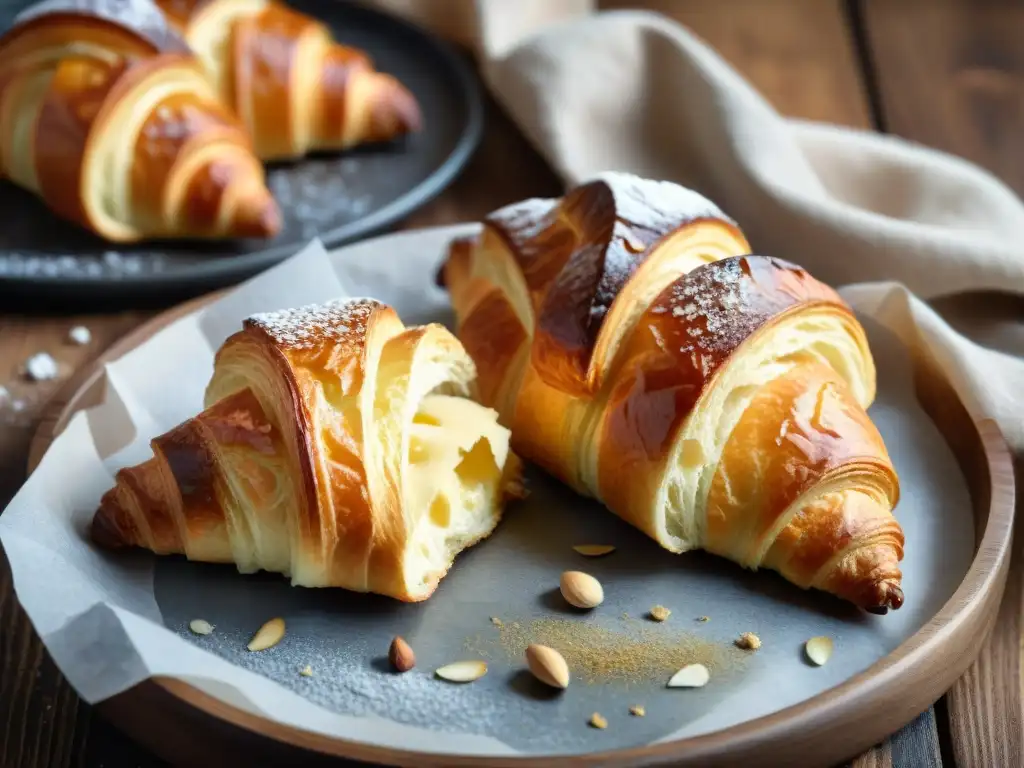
{"x":337,"y":447}
{"x":711,"y":398}
{"x":117,"y":129}
{"x":295,"y":88}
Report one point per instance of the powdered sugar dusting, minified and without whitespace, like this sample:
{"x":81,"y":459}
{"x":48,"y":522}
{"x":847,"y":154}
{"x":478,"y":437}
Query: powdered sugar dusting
{"x":313,"y":324}
{"x":709,"y":300}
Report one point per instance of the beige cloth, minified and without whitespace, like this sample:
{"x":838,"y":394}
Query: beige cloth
{"x":636,"y":92}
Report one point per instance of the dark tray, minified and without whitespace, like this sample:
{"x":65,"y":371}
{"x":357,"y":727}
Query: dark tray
{"x":338,"y":198}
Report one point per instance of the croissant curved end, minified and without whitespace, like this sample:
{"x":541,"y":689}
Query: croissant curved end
{"x":395,"y":111}
{"x":104,"y":529}
{"x":257,"y":216}
{"x":887,"y":594}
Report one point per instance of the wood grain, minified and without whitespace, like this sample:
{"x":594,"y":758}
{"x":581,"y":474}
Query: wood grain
{"x":962,"y":90}
{"x":42,"y":721}
{"x":799,"y":54}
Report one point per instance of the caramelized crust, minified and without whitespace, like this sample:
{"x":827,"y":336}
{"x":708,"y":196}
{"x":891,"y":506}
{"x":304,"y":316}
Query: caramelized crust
{"x":331,"y":437}
{"x":295,"y":89}
{"x":116,"y":128}
{"x":713,"y":399}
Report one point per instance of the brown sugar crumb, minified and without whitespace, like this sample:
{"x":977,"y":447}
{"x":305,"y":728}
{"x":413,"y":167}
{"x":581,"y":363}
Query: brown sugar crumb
{"x":748,"y":641}
{"x":637,"y":711}
{"x":660,"y":613}
{"x":496,"y":621}
{"x":633,"y":653}
{"x":596,"y":721}
{"x":703,"y":619}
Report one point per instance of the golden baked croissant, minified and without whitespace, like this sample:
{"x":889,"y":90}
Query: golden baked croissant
{"x":337,"y":446}
{"x":117,"y":128}
{"x":293,"y":86}
{"x":714,"y":400}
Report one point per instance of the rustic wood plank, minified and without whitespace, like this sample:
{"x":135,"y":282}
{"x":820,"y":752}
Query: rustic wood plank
{"x":962,"y":91}
{"x":42,"y":721}
{"x":798,"y":53}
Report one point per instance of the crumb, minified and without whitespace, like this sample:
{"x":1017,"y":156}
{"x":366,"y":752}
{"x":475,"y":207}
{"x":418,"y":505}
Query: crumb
{"x":306,"y":671}
{"x":637,"y":711}
{"x":703,"y":619}
{"x":660,"y":613}
{"x":748,"y":641}
{"x":41,"y":367}
{"x":496,"y":621}
{"x":79,"y":335}
{"x":596,"y":721}
{"x":625,"y":615}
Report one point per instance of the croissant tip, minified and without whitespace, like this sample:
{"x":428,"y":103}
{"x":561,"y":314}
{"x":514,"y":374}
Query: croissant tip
{"x":888,"y":596}
{"x":395,"y":113}
{"x":102,"y":531}
{"x":257,"y":217}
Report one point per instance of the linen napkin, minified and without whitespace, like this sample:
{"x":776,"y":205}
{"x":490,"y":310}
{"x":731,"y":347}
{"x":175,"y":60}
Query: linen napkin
{"x":921,"y":234}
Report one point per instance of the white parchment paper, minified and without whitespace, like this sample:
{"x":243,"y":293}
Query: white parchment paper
{"x":99,"y":617}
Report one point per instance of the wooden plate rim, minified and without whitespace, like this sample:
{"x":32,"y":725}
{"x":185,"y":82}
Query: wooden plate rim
{"x":971,"y":609}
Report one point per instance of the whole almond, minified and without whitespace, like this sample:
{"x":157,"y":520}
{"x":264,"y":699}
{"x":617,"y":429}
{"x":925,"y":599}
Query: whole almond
{"x":548,"y":666}
{"x":581,"y":589}
{"x":400,"y":655}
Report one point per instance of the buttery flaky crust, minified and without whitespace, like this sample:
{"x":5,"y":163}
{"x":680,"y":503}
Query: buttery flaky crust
{"x":107,"y":116}
{"x":337,"y":446}
{"x":294,"y":87}
{"x":712,"y":398}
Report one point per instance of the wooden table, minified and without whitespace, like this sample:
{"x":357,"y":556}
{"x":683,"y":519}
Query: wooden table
{"x":947,"y":73}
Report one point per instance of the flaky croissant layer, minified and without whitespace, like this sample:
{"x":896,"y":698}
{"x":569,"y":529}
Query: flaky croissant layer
{"x":117,"y":128}
{"x":295,"y":88}
{"x":713,"y":399}
{"x":338,"y":447}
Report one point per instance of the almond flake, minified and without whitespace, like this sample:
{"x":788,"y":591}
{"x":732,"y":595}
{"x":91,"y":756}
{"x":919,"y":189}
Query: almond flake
{"x":462,"y":671}
{"x":819,"y":649}
{"x":594,"y":550}
{"x":200,"y":627}
{"x":267,"y":636}
{"x":306,"y":671}
{"x":596,"y":721}
{"x":690,"y":676}
{"x":637,"y":711}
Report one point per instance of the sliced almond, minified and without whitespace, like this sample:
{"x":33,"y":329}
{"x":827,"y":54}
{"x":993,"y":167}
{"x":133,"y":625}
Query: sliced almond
{"x":462,"y":671}
{"x":594,"y":550}
{"x":200,"y":626}
{"x":690,"y":676}
{"x":267,"y":636}
{"x":597,"y":721}
{"x":548,"y":666}
{"x":818,"y":649}
{"x":581,"y":589}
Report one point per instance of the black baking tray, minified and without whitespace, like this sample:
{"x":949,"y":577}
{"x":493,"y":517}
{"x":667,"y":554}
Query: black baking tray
{"x":335,"y":197}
